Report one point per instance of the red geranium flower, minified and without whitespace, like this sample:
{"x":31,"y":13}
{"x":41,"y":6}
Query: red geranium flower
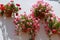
{"x":19,"y":8}
{"x":17,"y":4}
{"x":54,"y":31}
{"x":16,"y":14}
{"x":2,"y":7}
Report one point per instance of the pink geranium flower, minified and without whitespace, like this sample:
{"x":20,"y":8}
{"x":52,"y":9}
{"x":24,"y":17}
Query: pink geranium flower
{"x":16,"y":26}
{"x":12,"y":1}
{"x":28,"y":24}
{"x":35,"y":6}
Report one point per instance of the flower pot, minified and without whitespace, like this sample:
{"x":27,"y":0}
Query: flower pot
{"x":8,"y":13}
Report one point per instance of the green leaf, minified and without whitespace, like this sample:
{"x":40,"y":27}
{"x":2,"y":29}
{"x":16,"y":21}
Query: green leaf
{"x":44,"y":8}
{"x":57,"y":25}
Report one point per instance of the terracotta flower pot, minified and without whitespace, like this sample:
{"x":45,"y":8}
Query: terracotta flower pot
{"x":8,"y":13}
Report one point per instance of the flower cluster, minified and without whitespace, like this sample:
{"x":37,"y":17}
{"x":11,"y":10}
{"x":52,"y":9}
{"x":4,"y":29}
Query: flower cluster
{"x":53,"y":25}
{"x":41,"y":10}
{"x":2,"y":8}
{"x":9,"y":8}
{"x":27,"y":24}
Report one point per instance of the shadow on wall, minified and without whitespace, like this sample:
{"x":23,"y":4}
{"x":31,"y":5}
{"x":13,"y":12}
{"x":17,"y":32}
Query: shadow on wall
{"x":7,"y":31}
{"x":2,"y":28}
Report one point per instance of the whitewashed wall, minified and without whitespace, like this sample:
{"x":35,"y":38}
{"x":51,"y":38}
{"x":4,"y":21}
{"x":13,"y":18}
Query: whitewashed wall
{"x":7,"y":26}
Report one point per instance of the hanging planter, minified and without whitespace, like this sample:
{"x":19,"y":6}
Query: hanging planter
{"x":27,"y":24}
{"x":41,"y":10}
{"x":53,"y":26}
{"x":8,"y":13}
{"x":11,"y":8}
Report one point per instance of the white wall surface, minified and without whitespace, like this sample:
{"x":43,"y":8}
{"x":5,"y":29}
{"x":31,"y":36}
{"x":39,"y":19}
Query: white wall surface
{"x":7,"y":26}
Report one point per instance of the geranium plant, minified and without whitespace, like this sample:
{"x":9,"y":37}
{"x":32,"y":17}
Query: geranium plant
{"x":11,"y":8}
{"x":2,"y":8}
{"x":27,"y":24}
{"x":41,"y":10}
{"x":53,"y":26}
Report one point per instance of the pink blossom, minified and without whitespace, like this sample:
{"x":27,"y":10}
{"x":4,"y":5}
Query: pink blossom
{"x":1,"y":5}
{"x":54,"y":31}
{"x":40,"y":2}
{"x":18,"y":19}
{"x":53,"y":15}
{"x":47,"y":10}
{"x":35,"y":24}
{"x":28,"y":29}
{"x":32,"y":15}
{"x":31,"y":9}
{"x":52,"y":18}
{"x":12,"y":1}
{"x":46,"y":4}
{"x":16,"y":26}
{"x":35,"y":6}
{"x":15,"y":21}
{"x":36,"y":21}
{"x":38,"y":25}
{"x":23,"y":26}
{"x":25,"y":15}
{"x":46,"y":26}
{"x":35,"y":31}
{"x":9,"y":4}
{"x":28,"y":23}
{"x":59,"y":19}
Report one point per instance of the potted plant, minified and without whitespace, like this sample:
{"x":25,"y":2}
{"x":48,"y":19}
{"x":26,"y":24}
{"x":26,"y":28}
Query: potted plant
{"x":53,"y":26}
{"x":41,"y":10}
{"x":2,"y":8}
{"x":11,"y":8}
{"x":27,"y":24}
